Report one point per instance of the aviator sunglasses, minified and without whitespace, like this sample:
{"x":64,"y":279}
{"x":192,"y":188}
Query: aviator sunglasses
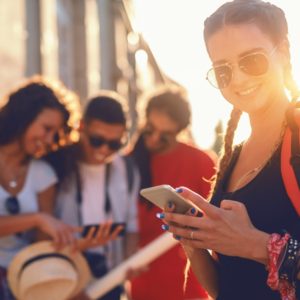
{"x":164,"y":136}
{"x":254,"y":64}
{"x":97,"y":141}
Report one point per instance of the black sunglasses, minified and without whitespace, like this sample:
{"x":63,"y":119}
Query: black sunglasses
{"x":12,"y":205}
{"x":98,"y":141}
{"x":254,"y":64}
{"x":164,"y":137}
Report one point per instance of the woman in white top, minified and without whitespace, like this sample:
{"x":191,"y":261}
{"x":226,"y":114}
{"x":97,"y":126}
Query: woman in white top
{"x":29,"y":123}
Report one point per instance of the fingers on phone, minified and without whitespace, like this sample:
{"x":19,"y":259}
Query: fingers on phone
{"x":169,"y":207}
{"x":116,"y":231}
{"x":107,"y":232}
{"x":200,"y":202}
{"x":195,"y":212}
{"x":91,"y":232}
{"x":103,"y":231}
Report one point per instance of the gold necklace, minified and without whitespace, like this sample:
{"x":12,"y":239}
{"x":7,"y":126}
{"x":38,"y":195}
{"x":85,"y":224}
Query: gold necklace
{"x":13,"y":183}
{"x":242,"y":180}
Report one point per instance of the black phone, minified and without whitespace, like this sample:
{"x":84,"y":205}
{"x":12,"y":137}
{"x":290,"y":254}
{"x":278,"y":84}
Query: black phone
{"x":86,"y":228}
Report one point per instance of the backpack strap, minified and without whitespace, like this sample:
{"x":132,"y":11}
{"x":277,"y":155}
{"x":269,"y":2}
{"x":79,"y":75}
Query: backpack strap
{"x":78,"y":195}
{"x":107,"y":205}
{"x":290,"y":156}
{"x":129,"y":164}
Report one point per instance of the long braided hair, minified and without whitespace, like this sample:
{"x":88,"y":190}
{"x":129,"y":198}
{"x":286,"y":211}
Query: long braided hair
{"x":271,"y":20}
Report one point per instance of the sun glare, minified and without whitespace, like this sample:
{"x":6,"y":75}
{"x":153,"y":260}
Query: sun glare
{"x":173,"y":29}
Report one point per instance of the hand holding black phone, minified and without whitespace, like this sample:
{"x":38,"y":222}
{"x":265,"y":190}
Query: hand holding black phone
{"x":113,"y":226}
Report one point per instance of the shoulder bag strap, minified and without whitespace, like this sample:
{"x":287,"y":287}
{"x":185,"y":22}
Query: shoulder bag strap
{"x":290,"y":157}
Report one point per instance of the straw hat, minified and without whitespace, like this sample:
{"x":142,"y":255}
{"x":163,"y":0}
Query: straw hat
{"x":39,"y":272}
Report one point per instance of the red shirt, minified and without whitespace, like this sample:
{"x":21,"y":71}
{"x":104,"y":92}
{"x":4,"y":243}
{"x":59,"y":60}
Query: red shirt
{"x":183,"y":166}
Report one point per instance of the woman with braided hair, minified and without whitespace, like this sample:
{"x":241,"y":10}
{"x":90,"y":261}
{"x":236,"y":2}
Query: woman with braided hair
{"x":250,"y":223}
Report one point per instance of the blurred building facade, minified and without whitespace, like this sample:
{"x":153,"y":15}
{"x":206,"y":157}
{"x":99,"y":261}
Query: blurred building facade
{"x":87,"y":44}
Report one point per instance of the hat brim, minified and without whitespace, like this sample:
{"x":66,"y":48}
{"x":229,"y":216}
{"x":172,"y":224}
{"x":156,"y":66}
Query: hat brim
{"x":47,"y":247}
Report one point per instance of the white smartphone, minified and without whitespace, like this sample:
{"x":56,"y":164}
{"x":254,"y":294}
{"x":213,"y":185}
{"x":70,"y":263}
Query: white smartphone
{"x":160,"y":195}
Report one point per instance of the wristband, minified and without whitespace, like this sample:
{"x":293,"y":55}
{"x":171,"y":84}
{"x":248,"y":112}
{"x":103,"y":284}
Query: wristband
{"x":288,"y":268}
{"x":278,"y":247}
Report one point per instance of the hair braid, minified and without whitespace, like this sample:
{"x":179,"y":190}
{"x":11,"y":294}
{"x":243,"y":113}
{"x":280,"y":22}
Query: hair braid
{"x":227,"y":147}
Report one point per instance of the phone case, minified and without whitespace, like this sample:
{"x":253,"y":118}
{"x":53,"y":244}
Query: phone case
{"x":86,"y":229}
{"x":160,"y":196}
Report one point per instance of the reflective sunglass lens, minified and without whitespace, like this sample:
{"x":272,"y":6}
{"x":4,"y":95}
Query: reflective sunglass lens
{"x":165,"y":139}
{"x":220,"y":76}
{"x":254,"y":64}
{"x":223,"y":76}
{"x":96,"y":141}
{"x":114,"y":145}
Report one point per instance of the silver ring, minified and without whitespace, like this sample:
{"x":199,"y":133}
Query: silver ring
{"x":192,"y":235}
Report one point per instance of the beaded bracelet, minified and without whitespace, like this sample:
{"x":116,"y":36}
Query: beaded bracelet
{"x":277,"y":250}
{"x":288,"y":268}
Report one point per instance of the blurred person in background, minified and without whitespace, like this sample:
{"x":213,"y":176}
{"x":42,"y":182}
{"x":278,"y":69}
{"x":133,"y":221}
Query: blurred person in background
{"x":29,"y":122}
{"x":163,"y":159}
{"x":98,"y":184}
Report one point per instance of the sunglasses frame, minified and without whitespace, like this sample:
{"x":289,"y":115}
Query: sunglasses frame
{"x":164,"y":137}
{"x":102,"y":141}
{"x":238,"y":63}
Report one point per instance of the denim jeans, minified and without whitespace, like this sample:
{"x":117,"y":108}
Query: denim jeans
{"x":5,"y":293}
{"x":98,"y":267}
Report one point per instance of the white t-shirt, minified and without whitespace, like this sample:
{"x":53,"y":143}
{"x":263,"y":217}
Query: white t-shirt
{"x":40,"y":176}
{"x":93,"y":193}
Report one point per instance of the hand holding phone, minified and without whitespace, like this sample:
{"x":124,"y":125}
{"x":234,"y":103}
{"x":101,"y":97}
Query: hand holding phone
{"x":162,"y":194}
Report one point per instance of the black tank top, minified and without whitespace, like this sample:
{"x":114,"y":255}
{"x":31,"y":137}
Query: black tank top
{"x":271,"y":211}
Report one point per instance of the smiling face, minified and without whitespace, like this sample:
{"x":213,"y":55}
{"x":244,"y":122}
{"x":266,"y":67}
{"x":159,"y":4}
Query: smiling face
{"x":247,"y":92}
{"x":39,"y":136}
